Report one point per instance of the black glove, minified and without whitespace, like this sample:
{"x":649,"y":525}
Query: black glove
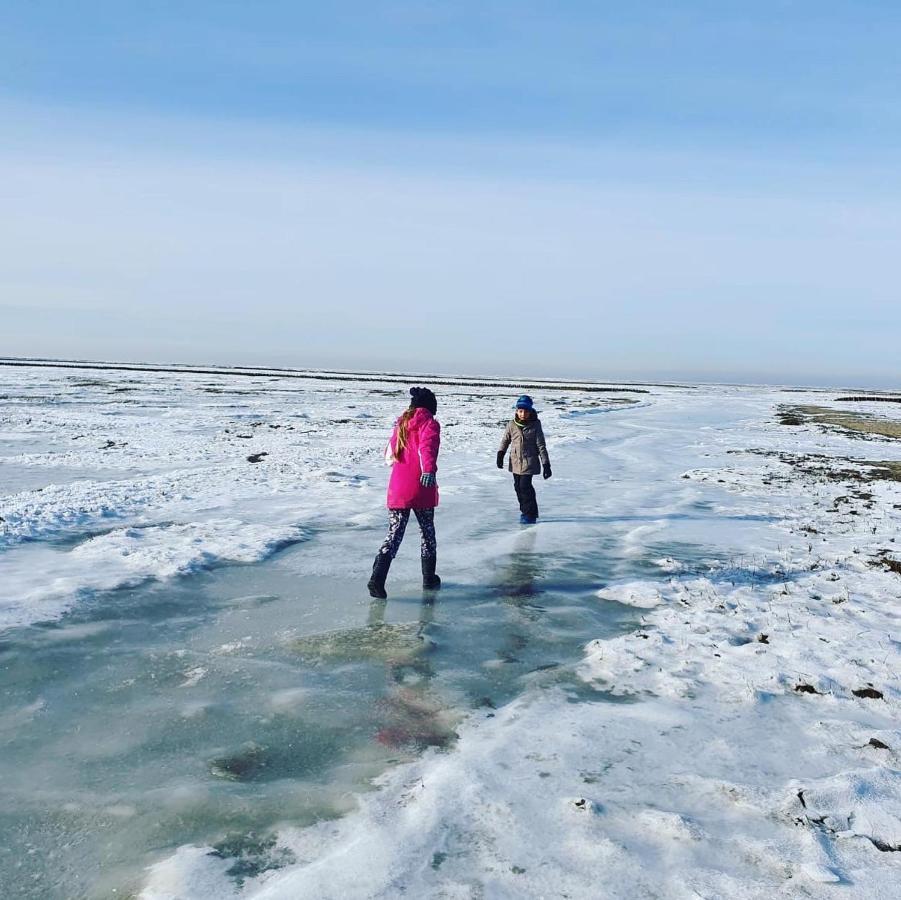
{"x":500,"y":459}
{"x":427,"y":479}
{"x":547,"y":472}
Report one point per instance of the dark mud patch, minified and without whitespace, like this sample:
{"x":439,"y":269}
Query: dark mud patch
{"x":868,"y":693}
{"x":834,"y":468}
{"x":883,"y":847}
{"x":251,"y":855}
{"x":868,"y":399}
{"x":307,"y":750}
{"x":887,"y":562}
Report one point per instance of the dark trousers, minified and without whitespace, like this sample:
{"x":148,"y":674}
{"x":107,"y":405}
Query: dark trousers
{"x":397,"y":525}
{"x":525,"y":493}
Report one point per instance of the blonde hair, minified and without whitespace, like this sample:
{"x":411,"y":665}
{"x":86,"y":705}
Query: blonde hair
{"x":402,"y":423}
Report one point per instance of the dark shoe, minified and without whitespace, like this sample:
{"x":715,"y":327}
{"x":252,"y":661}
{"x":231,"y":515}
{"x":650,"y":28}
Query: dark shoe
{"x":527,"y":520}
{"x":376,"y":583}
{"x":430,"y":581}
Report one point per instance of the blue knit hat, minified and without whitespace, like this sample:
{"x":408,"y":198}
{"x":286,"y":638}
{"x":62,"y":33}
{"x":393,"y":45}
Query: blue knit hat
{"x":525,"y":402}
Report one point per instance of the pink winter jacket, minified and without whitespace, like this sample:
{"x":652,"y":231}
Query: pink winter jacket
{"x":419,"y":455}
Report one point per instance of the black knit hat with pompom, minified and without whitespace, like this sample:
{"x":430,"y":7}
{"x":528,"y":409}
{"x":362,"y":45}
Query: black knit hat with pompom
{"x":423,"y":397}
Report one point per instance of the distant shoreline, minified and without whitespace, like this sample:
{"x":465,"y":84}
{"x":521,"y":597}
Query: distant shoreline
{"x":319,"y":375}
{"x":406,"y":378}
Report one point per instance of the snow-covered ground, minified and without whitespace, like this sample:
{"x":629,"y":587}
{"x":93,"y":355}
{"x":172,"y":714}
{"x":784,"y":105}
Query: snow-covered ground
{"x":682,"y":683}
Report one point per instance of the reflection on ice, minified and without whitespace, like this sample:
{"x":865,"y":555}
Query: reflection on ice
{"x":402,"y":643}
{"x":206,"y":709}
{"x":413,"y":717}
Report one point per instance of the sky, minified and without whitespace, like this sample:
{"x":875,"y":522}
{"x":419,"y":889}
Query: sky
{"x":693,"y":191}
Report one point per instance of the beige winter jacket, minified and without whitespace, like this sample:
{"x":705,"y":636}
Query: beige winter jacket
{"x":528,"y":452}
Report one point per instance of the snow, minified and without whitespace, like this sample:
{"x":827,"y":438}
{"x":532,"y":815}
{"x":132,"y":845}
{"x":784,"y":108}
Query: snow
{"x":739,"y":739}
{"x":44,"y":584}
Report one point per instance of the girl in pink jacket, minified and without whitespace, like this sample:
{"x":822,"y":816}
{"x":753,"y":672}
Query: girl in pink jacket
{"x":412,"y":452}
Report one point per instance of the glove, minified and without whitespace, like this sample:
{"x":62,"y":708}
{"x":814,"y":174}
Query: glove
{"x":547,"y":472}
{"x":427,"y":479}
{"x":500,"y":459}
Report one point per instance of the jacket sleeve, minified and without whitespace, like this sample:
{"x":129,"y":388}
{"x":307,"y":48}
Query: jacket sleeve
{"x":505,"y":441}
{"x":542,"y":447}
{"x":390,"y":452}
{"x":429,"y":443}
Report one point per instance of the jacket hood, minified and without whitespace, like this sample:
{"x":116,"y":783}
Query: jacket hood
{"x":419,"y":417}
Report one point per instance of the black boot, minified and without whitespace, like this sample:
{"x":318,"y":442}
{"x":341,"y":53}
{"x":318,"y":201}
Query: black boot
{"x":376,"y":583}
{"x":430,"y":581}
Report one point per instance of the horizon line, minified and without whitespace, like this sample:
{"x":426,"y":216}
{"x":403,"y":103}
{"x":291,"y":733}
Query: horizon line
{"x":398,"y":377}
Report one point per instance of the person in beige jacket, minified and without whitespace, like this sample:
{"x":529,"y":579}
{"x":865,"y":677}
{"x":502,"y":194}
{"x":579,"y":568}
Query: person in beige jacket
{"x":528,"y":456}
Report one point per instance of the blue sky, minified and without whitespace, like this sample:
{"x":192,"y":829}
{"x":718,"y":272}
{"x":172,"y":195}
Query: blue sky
{"x":583,"y":189}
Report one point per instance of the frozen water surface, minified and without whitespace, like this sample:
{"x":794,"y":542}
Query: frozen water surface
{"x":194,"y":679}
{"x":216,"y":706}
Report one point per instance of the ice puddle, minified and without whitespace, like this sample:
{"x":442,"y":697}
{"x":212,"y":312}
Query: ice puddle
{"x":208,"y":709}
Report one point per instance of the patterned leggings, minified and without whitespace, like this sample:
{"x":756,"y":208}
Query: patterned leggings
{"x":397,"y":525}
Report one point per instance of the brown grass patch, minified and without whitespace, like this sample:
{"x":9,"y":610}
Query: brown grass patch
{"x":856,"y":423}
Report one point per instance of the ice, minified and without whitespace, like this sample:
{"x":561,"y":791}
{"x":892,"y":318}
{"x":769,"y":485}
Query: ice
{"x":43,"y":582}
{"x":682,"y":682}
